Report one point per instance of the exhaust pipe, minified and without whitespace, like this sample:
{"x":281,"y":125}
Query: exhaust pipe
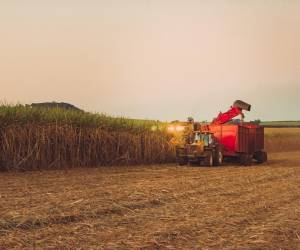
{"x":242,"y":105}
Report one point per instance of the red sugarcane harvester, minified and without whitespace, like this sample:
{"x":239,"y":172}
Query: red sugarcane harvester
{"x":211,"y":143}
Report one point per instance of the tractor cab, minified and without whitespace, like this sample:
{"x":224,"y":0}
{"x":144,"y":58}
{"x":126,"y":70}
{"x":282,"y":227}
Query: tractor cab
{"x":205,"y":138}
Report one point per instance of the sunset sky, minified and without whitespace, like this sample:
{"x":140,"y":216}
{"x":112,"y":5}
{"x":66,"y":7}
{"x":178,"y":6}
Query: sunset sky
{"x":158,"y":59}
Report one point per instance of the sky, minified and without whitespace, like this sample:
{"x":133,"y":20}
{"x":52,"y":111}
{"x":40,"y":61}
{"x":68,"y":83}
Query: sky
{"x":153,"y":59}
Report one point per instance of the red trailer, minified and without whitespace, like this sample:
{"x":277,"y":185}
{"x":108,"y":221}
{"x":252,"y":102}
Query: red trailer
{"x":244,"y":141}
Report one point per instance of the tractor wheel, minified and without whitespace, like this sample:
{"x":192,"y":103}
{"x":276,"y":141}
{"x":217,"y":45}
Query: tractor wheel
{"x":261,"y":157}
{"x":218,"y":158}
{"x":209,"y":161}
{"x":182,"y":161}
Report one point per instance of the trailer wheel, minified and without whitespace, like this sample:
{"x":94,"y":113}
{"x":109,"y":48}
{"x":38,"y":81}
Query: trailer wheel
{"x":209,"y":161}
{"x":261,"y":157}
{"x":218,"y":158}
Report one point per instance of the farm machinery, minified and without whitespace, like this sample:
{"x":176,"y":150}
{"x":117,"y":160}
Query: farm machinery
{"x":209,"y":144}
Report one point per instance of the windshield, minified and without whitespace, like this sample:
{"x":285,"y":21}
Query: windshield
{"x":197,"y":137}
{"x":206,"y":138}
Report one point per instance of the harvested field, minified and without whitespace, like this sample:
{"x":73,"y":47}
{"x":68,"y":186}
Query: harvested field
{"x":154,"y":207}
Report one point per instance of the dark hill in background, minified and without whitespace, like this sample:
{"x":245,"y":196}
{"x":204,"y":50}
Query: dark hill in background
{"x":61,"y":105}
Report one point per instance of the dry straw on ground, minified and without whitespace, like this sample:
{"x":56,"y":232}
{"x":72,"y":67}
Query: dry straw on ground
{"x":154,"y":207}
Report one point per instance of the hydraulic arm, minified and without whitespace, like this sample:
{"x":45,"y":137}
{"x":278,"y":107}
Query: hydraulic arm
{"x":235,"y":110}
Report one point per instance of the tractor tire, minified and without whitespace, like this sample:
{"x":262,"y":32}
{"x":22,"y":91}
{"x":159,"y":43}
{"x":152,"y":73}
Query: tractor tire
{"x":218,"y":158}
{"x":261,"y":157}
{"x":182,"y":161}
{"x":209,"y":161}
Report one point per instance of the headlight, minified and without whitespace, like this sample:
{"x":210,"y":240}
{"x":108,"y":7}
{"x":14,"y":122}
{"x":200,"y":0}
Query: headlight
{"x":179,"y":128}
{"x":171,"y":128}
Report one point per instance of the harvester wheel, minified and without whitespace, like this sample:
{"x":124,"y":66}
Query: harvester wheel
{"x":218,"y":158}
{"x":209,"y":161}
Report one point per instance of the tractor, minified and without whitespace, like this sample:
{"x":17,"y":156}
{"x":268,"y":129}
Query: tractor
{"x":202,"y":149}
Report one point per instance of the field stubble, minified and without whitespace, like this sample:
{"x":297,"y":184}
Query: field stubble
{"x":154,"y":207}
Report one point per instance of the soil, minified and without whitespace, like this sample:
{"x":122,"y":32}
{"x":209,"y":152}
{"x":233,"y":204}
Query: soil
{"x":154,"y":207}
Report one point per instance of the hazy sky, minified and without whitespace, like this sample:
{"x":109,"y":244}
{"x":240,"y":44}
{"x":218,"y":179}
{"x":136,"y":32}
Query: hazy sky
{"x":154,"y":59}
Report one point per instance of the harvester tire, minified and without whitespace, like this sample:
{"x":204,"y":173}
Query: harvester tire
{"x":218,"y":158}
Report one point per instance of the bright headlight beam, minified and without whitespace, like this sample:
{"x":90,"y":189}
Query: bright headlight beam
{"x":179,"y":128}
{"x":171,"y":128}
